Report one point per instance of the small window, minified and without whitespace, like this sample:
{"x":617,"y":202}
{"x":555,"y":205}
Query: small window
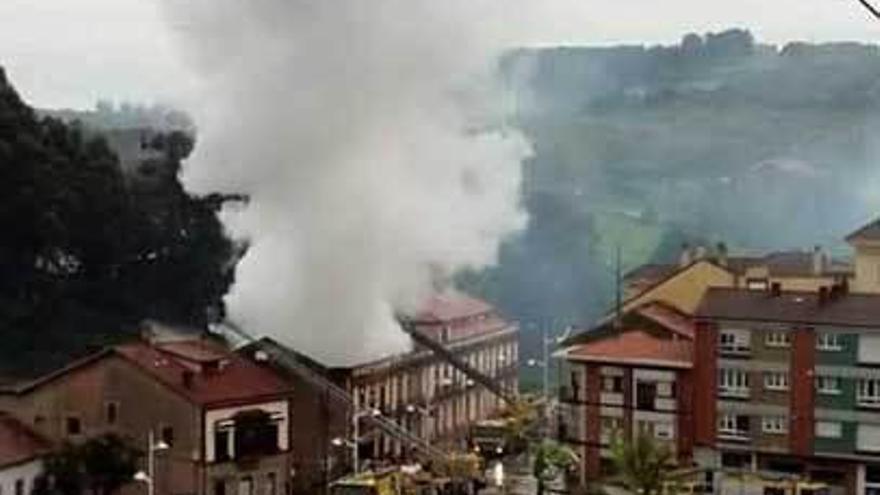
{"x":828,"y":429}
{"x":19,"y":487}
{"x":776,"y":381}
{"x":828,"y":385}
{"x":612,"y":384}
{"x":271,"y":484}
{"x":221,"y":446}
{"x":39,"y":420}
{"x":219,"y":487}
{"x":111,"y":412}
{"x":756,"y":284}
{"x":167,"y":434}
{"x":774,"y":425}
{"x":73,"y":426}
{"x":777,"y":339}
{"x":828,"y":342}
{"x":246,"y":486}
{"x":663,"y":431}
{"x":733,"y":382}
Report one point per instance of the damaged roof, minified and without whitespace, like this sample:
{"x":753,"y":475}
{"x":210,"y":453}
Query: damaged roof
{"x":635,"y":347}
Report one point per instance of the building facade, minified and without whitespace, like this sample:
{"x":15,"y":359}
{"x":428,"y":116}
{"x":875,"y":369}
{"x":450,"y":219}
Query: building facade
{"x":21,"y":456}
{"x":428,"y":395}
{"x":225,"y":419}
{"x":624,"y":379}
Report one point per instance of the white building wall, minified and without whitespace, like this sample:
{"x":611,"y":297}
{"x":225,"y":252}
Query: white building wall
{"x":26,"y":472}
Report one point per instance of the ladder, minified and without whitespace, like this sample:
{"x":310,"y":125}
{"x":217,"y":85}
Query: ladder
{"x":283,"y":357}
{"x":460,"y":364}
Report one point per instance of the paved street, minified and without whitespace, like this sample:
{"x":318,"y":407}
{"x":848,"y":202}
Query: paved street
{"x":518,"y":479}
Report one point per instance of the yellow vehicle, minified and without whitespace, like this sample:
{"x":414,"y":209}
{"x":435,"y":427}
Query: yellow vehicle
{"x":369,"y":483}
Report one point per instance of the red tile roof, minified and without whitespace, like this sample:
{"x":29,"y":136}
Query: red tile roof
{"x":18,"y":443}
{"x":635,"y":347}
{"x":450,"y":306}
{"x":227,"y":378}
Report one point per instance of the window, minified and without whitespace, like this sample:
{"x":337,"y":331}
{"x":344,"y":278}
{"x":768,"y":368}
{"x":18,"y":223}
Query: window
{"x":19,"y":487}
{"x":221,"y":446}
{"x":271,"y":484}
{"x":733,"y":426}
{"x":646,"y":396}
{"x":664,"y":389}
{"x":663,"y":431}
{"x":868,"y":393}
{"x":756,"y":284}
{"x":828,"y":342}
{"x":733,"y":382}
{"x":73,"y":425}
{"x":776,"y":425}
{"x":219,"y":487}
{"x":39,"y":420}
{"x":167,"y":435}
{"x":246,"y":486}
{"x":612,"y":384}
{"x":828,"y":429}
{"x":777,"y":339}
{"x":111,"y":412}
{"x":776,"y":380}
{"x":828,"y":385}
{"x":734,"y":341}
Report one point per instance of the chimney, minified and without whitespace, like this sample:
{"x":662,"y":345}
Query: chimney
{"x":818,"y":260}
{"x":685,"y":257}
{"x":721,"y":253}
{"x":188,"y":379}
{"x":823,"y":295}
{"x":775,"y":289}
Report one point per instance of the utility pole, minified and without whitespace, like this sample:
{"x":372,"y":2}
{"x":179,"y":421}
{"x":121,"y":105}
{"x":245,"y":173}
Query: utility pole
{"x":617,"y":284}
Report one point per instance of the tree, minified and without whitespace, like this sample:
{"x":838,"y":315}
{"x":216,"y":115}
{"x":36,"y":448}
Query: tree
{"x":99,"y":466}
{"x":643,"y":465}
{"x":551,"y":459}
{"x":87,"y":254}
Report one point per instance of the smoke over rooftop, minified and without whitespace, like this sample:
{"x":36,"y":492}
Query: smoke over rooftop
{"x":362,"y":133}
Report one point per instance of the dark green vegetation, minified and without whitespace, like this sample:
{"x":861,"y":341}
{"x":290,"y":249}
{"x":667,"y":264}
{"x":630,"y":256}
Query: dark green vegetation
{"x":87,"y":254}
{"x":718,"y":138}
{"x":100,"y":466}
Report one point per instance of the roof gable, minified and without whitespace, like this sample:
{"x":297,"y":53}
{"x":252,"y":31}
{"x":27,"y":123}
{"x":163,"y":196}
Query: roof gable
{"x":868,"y":232}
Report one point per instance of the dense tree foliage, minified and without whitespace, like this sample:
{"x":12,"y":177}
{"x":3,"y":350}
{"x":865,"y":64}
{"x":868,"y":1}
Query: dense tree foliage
{"x":99,"y":466}
{"x":87,"y":254}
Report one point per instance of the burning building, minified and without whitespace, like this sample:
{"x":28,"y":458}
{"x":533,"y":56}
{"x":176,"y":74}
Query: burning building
{"x":421,"y":392}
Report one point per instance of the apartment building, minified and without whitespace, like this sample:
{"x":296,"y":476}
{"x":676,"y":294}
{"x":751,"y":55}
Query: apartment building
{"x":226,"y":420}
{"x":426,"y":394}
{"x":624,"y":378}
{"x":790,"y":382}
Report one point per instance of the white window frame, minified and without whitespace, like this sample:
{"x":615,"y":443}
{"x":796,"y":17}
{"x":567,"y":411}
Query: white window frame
{"x":727,"y":427}
{"x":774,"y":425}
{"x":733,"y":382}
{"x":828,"y":385}
{"x":776,"y":380}
{"x":777,"y":339}
{"x":829,"y":429}
{"x":732,"y":341}
{"x":828,"y":342}
{"x":868,"y":392}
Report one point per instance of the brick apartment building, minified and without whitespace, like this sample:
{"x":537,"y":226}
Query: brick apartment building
{"x":417,"y":390}
{"x":226,"y":419}
{"x":780,"y":374}
{"x":624,"y":377}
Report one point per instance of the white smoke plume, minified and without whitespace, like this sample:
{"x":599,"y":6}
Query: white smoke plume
{"x":365,"y":134}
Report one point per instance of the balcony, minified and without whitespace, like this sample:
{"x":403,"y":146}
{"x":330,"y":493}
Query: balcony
{"x":734,"y":350}
{"x":734,"y":435}
{"x":733,"y":392}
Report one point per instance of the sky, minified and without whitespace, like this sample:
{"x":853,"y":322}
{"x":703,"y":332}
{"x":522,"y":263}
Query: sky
{"x":70,"y":53}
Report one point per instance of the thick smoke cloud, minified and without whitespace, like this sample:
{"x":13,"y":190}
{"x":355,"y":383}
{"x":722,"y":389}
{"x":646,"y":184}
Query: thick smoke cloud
{"x":364,"y":134}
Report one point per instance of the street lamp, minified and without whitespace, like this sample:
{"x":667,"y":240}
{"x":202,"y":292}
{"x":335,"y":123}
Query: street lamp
{"x":544,"y":364}
{"x":149,"y":477}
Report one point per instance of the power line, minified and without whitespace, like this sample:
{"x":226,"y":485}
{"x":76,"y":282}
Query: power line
{"x":873,"y":10}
